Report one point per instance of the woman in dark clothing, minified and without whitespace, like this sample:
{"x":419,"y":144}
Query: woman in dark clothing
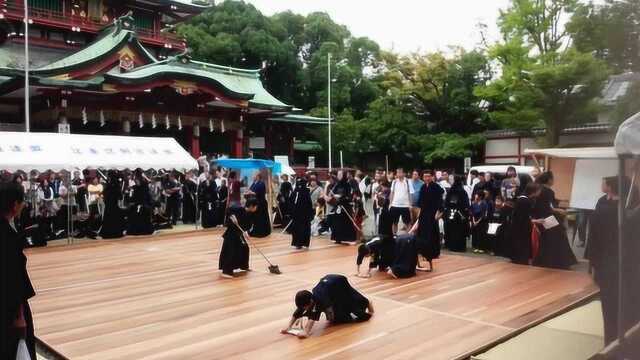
{"x":342,"y":227}
{"x":283,"y":214}
{"x":139,"y":219}
{"x":261,"y":222}
{"x":479,"y":212}
{"x":426,"y":228}
{"x":17,"y":322}
{"x":521,"y":225}
{"x":302,"y":215}
{"x":189,"y":192}
{"x":208,"y":196}
{"x":456,"y":221}
{"x":221,"y":207}
{"x":554,"y":251}
{"x":113,"y":224}
{"x":500,"y":217}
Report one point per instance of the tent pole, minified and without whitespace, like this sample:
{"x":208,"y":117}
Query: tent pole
{"x":621,"y":210}
{"x":270,"y":202}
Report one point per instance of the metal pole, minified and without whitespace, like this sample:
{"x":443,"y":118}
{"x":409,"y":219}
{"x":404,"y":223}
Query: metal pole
{"x":329,"y":104}
{"x":341,"y":162}
{"x":27,"y":111}
{"x":621,"y":209}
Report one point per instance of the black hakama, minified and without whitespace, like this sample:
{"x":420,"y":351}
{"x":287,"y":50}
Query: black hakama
{"x":261,"y":222}
{"x":235,"y":250}
{"x":139,"y":216}
{"x":342,"y":227}
{"x":189,"y":191}
{"x":456,"y":221}
{"x":340,"y":302}
{"x":221,"y":205}
{"x":602,"y":252}
{"x":207,"y":197}
{"x":381,"y":252}
{"x":428,"y":237}
{"x":302,"y":215}
{"x":554,"y":251}
{"x":16,"y":291}
{"x":521,"y":231}
{"x":113,"y":224}
{"x":406,"y":256}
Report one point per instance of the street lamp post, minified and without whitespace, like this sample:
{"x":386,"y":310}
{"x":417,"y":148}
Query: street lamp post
{"x":329,"y":103}
{"x":26,"y":68}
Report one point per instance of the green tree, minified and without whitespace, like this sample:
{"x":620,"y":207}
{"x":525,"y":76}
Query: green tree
{"x":544,"y":79}
{"x":610,"y":31}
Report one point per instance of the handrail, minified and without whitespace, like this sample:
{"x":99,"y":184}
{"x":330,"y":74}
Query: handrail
{"x":59,"y":18}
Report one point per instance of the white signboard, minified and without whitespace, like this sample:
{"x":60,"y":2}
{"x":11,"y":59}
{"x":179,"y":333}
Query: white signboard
{"x":587,"y":181}
{"x":467,"y":164}
{"x":312,"y":162}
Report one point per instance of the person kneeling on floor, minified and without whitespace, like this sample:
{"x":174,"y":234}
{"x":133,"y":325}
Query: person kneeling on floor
{"x":333,"y":296}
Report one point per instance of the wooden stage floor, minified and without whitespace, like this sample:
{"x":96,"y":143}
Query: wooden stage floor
{"x":163,"y":298}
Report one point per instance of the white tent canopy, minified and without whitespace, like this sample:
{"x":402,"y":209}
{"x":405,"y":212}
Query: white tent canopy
{"x":53,"y":151}
{"x":628,"y":137}
{"x":576,"y":153}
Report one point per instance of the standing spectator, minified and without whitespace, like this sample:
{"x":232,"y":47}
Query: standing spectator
{"x":189,"y":191}
{"x":221,"y":203}
{"x":603,"y":254}
{"x":478,"y":223}
{"x":480,"y":186}
{"x":113,"y":224}
{"x":456,"y":220}
{"x":554,"y":251}
{"x":208,"y":199}
{"x":284,"y":201}
{"x":416,"y":185}
{"x":234,"y":190}
{"x":426,"y":228}
{"x":17,"y":322}
{"x":510,"y":185}
{"x":444,"y":182}
{"x":172,"y":191}
{"x":474,"y":177}
{"x":315,"y":191}
{"x":261,"y":222}
{"x":521,"y":225}
{"x":492,"y":185}
{"x":400,"y":200}
{"x":342,"y":226}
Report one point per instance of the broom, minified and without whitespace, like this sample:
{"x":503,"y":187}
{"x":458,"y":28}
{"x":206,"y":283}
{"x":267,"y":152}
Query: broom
{"x":274,"y":269}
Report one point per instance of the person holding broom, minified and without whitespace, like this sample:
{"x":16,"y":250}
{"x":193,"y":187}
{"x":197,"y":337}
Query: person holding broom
{"x":235,"y":249}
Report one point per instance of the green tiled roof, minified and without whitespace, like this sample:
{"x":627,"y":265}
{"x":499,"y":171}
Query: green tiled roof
{"x":239,"y":83}
{"x":111,"y":39}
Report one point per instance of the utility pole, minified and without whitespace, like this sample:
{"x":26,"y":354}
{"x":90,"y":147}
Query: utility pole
{"x":27,"y":111}
{"x":329,"y":103}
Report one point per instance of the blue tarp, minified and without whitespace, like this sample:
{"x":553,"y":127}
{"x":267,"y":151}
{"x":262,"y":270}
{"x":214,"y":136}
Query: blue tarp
{"x":275,"y":167}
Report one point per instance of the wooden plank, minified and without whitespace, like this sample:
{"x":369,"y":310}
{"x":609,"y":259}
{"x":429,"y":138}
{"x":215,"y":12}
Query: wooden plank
{"x":163,"y":298}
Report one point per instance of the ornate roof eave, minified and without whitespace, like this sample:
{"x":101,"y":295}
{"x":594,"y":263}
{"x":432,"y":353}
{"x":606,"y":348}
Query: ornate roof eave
{"x":112,"y":39}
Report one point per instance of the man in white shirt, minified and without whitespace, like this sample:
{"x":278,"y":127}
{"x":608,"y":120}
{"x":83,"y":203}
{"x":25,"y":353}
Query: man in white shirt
{"x":400,"y":200}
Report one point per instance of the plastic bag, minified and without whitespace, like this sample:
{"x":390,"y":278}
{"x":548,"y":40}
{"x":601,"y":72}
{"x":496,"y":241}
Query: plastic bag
{"x":23,"y":352}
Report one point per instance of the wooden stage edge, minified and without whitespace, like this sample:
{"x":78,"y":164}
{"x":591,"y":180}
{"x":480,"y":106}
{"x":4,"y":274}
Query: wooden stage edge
{"x":161,"y":297}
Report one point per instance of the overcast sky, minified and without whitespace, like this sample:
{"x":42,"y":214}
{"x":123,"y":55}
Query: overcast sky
{"x":404,"y":25}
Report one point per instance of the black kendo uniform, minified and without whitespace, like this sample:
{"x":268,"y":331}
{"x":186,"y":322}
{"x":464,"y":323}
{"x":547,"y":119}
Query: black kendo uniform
{"x":261,"y":222}
{"x":405,"y":256}
{"x":173,"y":201}
{"x":456,"y":219}
{"x":221,"y":205}
{"x":283,"y":216}
{"x":302,"y":215}
{"x":16,"y":291}
{"x":113,"y":224}
{"x":428,"y":239}
{"x":381,"y":251}
{"x":208,"y":195}
{"x":189,"y":190}
{"x":139,"y":219}
{"x":342,"y":227}
{"x":340,"y":302}
{"x":235,"y":250}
